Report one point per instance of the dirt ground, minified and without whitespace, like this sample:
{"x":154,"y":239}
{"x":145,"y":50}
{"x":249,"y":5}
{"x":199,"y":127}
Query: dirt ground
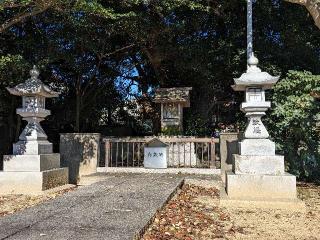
{"x":12,"y":203}
{"x":195,"y":214}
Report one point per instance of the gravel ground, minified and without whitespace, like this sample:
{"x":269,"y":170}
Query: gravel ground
{"x":195,"y":214}
{"x":117,"y":208}
{"x":275,"y":224}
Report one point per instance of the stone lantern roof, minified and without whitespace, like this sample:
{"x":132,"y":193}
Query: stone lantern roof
{"x":254,"y":77}
{"x":33,"y":87}
{"x":173,"y":95}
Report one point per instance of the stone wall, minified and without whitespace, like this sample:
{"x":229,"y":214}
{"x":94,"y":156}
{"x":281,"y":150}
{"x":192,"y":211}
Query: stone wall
{"x":229,"y":145}
{"x":80,"y":152}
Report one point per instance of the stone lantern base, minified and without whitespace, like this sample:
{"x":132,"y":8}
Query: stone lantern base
{"x":30,"y":174}
{"x":260,"y":181}
{"x":260,"y":177}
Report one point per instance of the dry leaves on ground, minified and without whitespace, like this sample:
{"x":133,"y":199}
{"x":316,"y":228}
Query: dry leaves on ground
{"x":192,"y":214}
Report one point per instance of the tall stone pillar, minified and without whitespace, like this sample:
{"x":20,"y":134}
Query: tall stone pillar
{"x":33,"y":167}
{"x":258,"y":173}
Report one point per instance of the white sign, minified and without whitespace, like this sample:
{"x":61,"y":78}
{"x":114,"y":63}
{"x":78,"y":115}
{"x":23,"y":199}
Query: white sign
{"x":155,"y":157}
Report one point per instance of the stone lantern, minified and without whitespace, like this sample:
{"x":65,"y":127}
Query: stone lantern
{"x":254,"y":83}
{"x":258,"y":173}
{"x":258,"y":177}
{"x":33,"y":167}
{"x":172,"y":101}
{"x":33,"y":139}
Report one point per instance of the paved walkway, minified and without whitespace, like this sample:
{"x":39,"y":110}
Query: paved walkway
{"x":116,"y":209}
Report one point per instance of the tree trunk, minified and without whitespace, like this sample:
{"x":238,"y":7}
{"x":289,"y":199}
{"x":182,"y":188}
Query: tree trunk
{"x":78,"y":109}
{"x":313,"y":6}
{"x":11,"y":118}
{"x":109,"y":115}
{"x":155,"y":59}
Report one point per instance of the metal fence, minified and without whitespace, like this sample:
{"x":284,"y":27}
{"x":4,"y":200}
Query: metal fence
{"x":187,"y":152}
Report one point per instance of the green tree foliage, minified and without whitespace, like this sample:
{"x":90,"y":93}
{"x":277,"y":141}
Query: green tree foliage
{"x":294,"y":123}
{"x":12,"y":67}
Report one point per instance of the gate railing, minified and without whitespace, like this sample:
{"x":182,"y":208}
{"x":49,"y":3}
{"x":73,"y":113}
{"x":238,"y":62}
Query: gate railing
{"x":189,"y":152}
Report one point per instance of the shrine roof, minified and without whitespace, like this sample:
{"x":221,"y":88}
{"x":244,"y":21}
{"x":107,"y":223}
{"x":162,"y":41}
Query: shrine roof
{"x":156,"y":143}
{"x":173,"y":95}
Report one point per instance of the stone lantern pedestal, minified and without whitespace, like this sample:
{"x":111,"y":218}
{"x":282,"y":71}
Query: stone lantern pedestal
{"x":258,"y":174}
{"x":33,"y":167}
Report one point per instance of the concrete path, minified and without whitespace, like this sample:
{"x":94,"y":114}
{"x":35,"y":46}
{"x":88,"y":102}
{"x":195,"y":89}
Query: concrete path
{"x":116,"y":209}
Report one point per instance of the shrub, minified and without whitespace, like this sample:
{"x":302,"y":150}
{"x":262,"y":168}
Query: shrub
{"x":293,"y":123}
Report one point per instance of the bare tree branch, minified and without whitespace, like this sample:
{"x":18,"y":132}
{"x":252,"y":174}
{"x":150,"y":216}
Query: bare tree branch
{"x":14,"y":5}
{"x":117,"y":51}
{"x":23,"y":16}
